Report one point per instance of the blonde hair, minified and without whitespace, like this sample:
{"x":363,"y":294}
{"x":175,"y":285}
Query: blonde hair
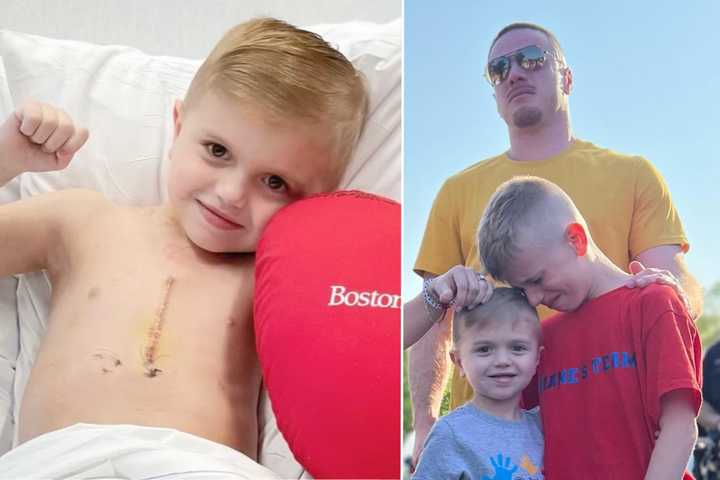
{"x":560,"y":54}
{"x":293,"y":74}
{"x":520,"y":204}
{"x":505,"y":304}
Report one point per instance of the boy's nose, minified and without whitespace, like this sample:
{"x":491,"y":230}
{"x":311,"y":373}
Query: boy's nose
{"x":534,"y":296}
{"x":502,"y":357}
{"x":233,"y":191}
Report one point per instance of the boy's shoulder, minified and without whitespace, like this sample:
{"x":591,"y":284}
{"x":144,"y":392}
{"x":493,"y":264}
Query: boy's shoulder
{"x":80,"y":199}
{"x":656,"y":299}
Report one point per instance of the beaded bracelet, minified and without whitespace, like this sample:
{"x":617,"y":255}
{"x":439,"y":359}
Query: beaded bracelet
{"x":428,"y":297}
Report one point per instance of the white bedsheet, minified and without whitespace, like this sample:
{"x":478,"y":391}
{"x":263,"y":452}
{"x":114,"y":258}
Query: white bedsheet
{"x":85,"y":451}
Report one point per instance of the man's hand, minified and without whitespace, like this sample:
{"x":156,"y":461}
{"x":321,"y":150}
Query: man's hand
{"x":462,"y":287}
{"x":642,"y":277}
{"x":38,"y":137}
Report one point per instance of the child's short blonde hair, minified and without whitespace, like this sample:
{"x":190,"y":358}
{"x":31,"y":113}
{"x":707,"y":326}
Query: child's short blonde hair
{"x":522,"y":207}
{"x":506,"y":304}
{"x":292,"y":74}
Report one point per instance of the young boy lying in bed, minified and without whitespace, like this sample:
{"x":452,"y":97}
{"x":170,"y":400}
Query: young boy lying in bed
{"x":151,"y":307}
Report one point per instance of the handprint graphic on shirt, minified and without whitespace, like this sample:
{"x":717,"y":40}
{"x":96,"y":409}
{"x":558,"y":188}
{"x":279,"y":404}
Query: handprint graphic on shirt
{"x":503,"y":470}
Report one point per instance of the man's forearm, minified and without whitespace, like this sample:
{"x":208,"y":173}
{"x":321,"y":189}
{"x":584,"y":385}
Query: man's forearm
{"x":693,"y":291}
{"x":418,"y":318}
{"x":428,"y":370}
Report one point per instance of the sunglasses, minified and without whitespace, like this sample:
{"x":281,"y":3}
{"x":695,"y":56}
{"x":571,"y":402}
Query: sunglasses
{"x":529,"y":58}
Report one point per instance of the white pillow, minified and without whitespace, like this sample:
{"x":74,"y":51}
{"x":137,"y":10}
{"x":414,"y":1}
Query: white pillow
{"x":8,"y":304}
{"x":125,"y":98}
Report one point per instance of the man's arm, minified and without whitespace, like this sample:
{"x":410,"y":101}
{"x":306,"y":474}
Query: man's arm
{"x":672,"y":259}
{"x":428,"y":359}
{"x":678,"y":434}
{"x":428,"y":373}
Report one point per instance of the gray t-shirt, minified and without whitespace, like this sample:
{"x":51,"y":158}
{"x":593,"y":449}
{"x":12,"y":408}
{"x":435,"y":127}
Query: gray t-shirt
{"x":470,"y":444}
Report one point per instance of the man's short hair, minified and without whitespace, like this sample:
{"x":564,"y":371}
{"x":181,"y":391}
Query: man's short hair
{"x":515,"y":206}
{"x":505,"y":304}
{"x":292,"y":74}
{"x":532,"y":26}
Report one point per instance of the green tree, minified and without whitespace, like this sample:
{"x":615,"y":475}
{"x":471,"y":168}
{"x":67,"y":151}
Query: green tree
{"x":709,"y":323}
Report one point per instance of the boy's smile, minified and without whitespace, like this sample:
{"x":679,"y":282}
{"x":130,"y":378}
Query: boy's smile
{"x":499,"y":359}
{"x":232,"y":168}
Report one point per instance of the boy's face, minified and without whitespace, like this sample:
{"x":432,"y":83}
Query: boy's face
{"x":231,"y":169}
{"x":499,"y":357}
{"x":550,"y":274}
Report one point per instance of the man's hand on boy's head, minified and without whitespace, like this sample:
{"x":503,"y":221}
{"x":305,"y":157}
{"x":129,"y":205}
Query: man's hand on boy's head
{"x":643,"y":276}
{"x":461,"y":287}
{"x":38,"y":137}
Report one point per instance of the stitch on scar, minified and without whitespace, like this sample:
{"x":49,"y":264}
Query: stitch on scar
{"x":150,"y":354}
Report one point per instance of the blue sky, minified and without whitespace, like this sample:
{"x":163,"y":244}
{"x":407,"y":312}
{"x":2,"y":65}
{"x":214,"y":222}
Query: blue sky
{"x":646,"y":81}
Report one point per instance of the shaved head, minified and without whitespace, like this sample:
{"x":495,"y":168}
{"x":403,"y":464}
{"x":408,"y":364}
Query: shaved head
{"x":524,"y":211}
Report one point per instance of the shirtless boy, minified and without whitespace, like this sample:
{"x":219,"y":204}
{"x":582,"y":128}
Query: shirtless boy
{"x":151,"y":322}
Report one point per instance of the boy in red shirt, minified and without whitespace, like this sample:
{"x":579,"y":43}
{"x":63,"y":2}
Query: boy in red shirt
{"x":619,"y":364}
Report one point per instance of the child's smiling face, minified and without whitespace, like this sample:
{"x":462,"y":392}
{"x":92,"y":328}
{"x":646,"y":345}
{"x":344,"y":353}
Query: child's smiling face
{"x":499,"y":357}
{"x":232,"y":168}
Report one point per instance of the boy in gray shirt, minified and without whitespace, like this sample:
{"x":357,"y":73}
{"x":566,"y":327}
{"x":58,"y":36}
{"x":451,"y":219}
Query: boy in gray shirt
{"x":497,"y":346}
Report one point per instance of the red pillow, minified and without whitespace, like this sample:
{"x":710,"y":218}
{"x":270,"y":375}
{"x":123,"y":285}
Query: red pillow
{"x":327,"y":325}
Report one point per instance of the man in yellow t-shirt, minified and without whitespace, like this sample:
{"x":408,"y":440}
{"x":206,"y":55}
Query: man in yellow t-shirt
{"x":623,"y":198}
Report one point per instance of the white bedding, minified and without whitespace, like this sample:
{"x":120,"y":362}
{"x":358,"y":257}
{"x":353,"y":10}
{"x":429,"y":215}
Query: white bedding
{"x":85,"y":451}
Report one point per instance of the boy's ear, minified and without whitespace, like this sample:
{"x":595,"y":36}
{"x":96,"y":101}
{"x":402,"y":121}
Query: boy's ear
{"x":456,"y":360}
{"x":577,"y":238}
{"x":540,"y":352}
{"x":567,"y":80}
{"x":177,"y":117}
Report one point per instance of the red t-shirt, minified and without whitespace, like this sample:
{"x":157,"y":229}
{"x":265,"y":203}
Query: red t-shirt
{"x":602,"y":373}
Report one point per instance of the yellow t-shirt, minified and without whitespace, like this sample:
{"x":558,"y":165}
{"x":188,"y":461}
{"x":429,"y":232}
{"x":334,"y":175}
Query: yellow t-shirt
{"x":623,"y":199}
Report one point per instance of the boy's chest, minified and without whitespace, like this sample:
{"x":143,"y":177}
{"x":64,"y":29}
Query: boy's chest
{"x":592,"y":396}
{"x":148,"y":293}
{"x":580,"y":354}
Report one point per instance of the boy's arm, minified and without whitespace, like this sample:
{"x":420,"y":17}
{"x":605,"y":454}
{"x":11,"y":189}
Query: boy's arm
{"x":678,"y":433}
{"x":35,"y":232}
{"x":36,"y":137}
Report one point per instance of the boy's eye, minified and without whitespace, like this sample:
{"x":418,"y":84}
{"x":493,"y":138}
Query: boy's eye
{"x":216,"y":150}
{"x":275,"y":183}
{"x":519,"y":348}
{"x":483,"y":349}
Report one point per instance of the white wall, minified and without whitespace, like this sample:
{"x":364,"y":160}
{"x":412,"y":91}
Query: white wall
{"x":186,"y":28}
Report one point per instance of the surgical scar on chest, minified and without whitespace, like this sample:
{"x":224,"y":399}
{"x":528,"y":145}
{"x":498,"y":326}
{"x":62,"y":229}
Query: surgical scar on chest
{"x":150,"y":352}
